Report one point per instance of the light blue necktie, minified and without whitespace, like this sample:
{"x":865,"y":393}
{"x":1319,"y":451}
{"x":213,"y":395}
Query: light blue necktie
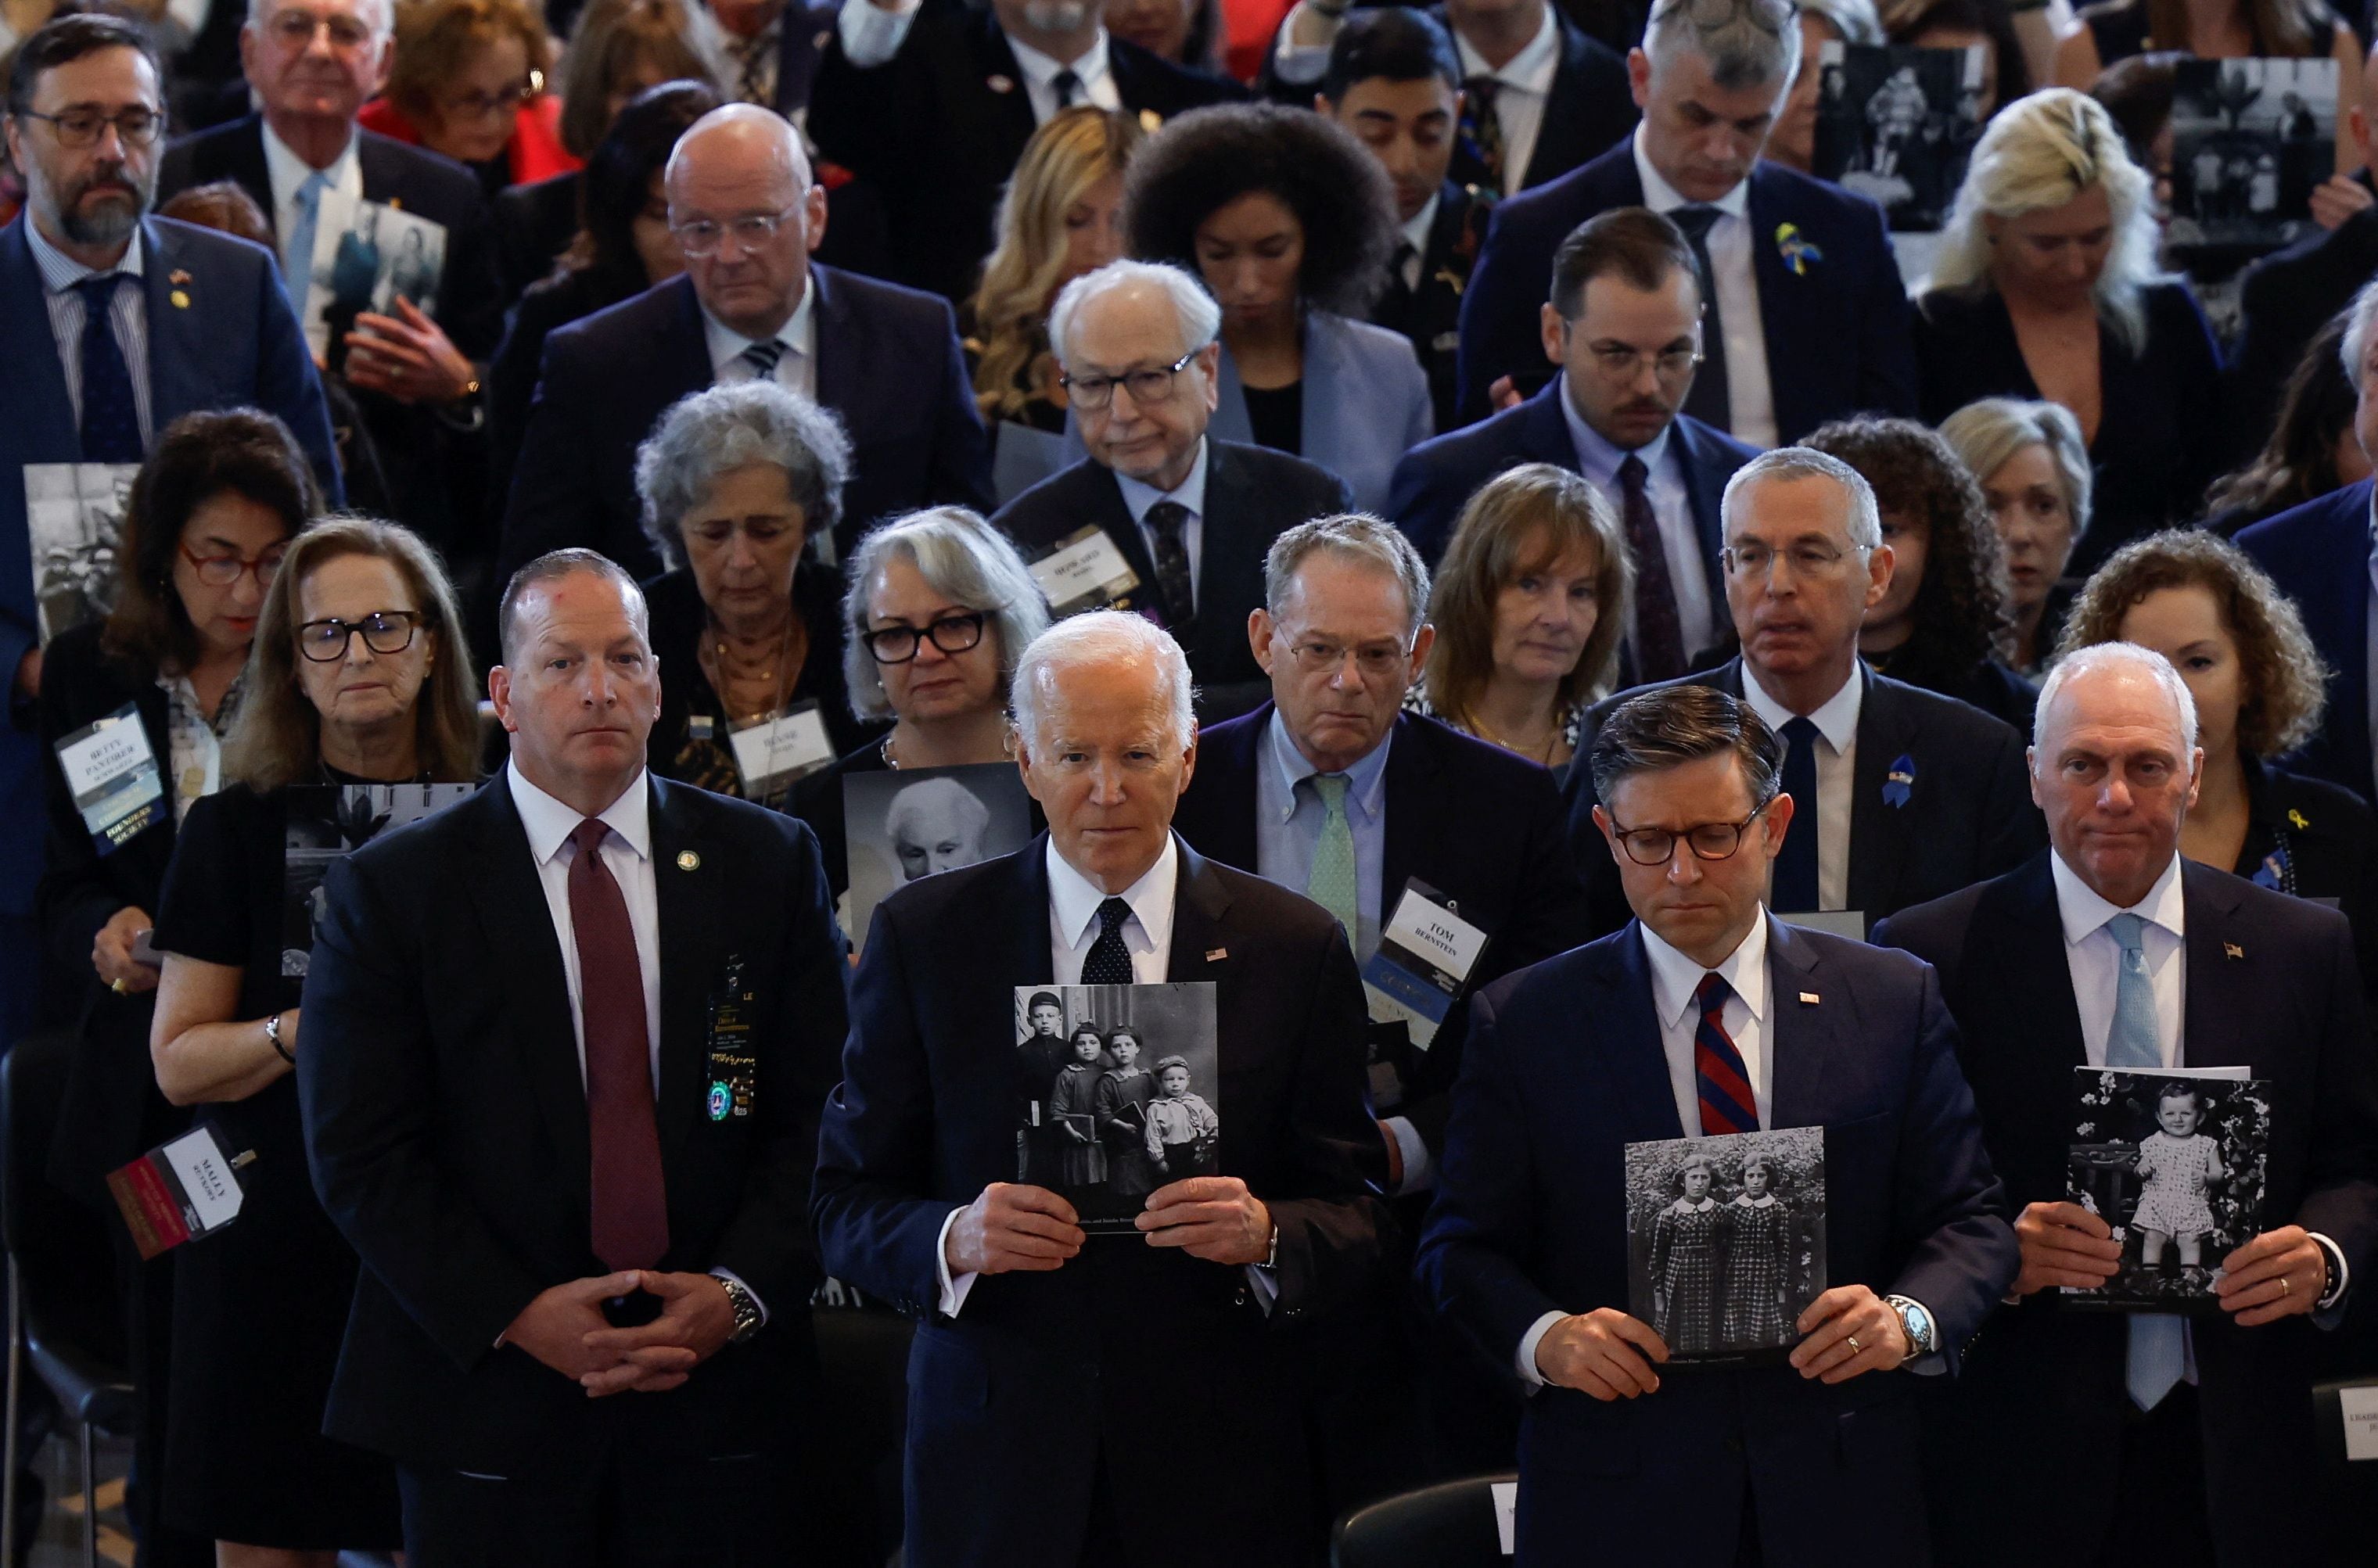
{"x":297,"y":256}
{"x":2159,"y":1351}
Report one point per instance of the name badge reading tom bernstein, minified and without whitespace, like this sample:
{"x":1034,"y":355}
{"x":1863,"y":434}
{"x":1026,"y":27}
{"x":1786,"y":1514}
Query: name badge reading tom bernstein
{"x":733,"y":1069}
{"x":1086,"y":570}
{"x":1424,"y":958}
{"x":770,"y":753}
{"x":112,"y":772}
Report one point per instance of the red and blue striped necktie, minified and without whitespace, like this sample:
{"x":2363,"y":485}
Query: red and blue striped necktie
{"x":1728,"y":1103}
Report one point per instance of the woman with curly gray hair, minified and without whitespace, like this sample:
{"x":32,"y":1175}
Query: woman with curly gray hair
{"x":1290,"y":224}
{"x":735,"y":481}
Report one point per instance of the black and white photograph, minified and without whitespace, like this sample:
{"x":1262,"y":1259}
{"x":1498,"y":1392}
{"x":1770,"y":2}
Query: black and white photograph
{"x":324,"y":825}
{"x":2174,"y":1162}
{"x":74,"y":515}
{"x":908,"y":823}
{"x":1118,"y":1094}
{"x":1899,"y":125}
{"x":2250,"y":140}
{"x":1726,"y":1240}
{"x":384,"y":254}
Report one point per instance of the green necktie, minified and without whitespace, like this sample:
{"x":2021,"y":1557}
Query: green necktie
{"x":1331,"y":884}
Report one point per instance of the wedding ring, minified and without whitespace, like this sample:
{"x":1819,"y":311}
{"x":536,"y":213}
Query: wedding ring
{"x":117,"y":986}
{"x":1853,"y":1345}
{"x":2285,"y":1288}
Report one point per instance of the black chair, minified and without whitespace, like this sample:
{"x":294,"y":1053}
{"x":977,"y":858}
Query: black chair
{"x":864,"y":1360}
{"x":1450,"y":1525}
{"x":61,"y":1312}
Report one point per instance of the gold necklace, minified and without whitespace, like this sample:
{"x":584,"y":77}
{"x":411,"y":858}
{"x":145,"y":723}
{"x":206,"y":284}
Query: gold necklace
{"x":1543,"y":754}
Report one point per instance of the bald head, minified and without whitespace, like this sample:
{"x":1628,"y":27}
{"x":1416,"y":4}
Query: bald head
{"x":744,"y":139}
{"x":746,"y":213}
{"x":2114,"y":767}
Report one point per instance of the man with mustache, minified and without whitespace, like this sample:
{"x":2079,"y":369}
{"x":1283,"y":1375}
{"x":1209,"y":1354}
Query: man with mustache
{"x":931,"y":101}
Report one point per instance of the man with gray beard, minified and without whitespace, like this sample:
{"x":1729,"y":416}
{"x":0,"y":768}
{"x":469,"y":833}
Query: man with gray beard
{"x":931,"y":101}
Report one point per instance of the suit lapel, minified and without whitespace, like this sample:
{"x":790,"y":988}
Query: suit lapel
{"x":840,"y":356}
{"x":1703,"y":494}
{"x":1879,"y":831}
{"x":688,"y":347}
{"x":244,"y":162}
{"x":1635,"y":1052}
{"x":1227,"y":830}
{"x":176,"y":303}
{"x":1544,"y":434}
{"x":1013,"y":105}
{"x":2022,"y":954}
{"x":2222,"y":1007}
{"x":1411,"y":775}
{"x":1801,"y":1033}
{"x":1026,"y":960}
{"x":1784,"y":317}
{"x":42,"y":424}
{"x":1564,"y":109}
{"x":1199,"y":945}
{"x":689,"y":876}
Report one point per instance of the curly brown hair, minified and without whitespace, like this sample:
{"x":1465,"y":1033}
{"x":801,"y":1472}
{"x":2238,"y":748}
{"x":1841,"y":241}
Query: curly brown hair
{"x":1958,"y":618}
{"x":2284,"y":675}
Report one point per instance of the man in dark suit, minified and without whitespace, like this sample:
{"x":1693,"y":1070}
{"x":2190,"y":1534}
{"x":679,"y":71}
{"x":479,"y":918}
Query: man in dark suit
{"x":1177,"y":522}
{"x":1048,"y":1360}
{"x":1807,"y":319}
{"x":1624,"y":324}
{"x":2111,"y":950}
{"x":931,"y":103}
{"x":566,"y":1049}
{"x":751,"y":304}
{"x":1906,"y":795}
{"x":1707,"y":1016}
{"x":204,"y":326}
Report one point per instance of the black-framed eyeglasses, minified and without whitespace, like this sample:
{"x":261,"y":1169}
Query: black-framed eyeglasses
{"x":1710,"y":840}
{"x":951,"y":634}
{"x":78,"y":128}
{"x":383,"y":631}
{"x":1150,"y":386}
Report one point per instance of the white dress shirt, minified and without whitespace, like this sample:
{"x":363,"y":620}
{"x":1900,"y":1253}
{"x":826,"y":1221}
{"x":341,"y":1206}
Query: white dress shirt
{"x":1191,"y":494}
{"x":2095,"y":958}
{"x":872,"y":35}
{"x":1523,"y":83}
{"x":334,"y":210}
{"x":1701,"y":616}
{"x":795,"y":367}
{"x":628,"y":855}
{"x":1836,"y":723}
{"x":1415,"y":234}
{"x":1735,"y":282}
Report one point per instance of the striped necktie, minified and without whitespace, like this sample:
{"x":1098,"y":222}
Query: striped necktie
{"x":1723,"y":1081}
{"x":763,"y":358}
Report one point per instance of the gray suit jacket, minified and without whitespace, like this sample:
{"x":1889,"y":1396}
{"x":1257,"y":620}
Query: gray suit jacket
{"x":1365,"y":404}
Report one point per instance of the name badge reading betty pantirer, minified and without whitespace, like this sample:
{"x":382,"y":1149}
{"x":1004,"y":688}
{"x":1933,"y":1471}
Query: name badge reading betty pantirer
{"x":1423,"y":962}
{"x":1085,"y":571}
{"x":112,"y":772}
{"x":733,"y":1070}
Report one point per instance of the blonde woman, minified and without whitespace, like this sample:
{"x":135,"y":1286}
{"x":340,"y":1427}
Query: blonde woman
{"x":2034,"y":476}
{"x":1530,"y":607}
{"x":2047,"y":288}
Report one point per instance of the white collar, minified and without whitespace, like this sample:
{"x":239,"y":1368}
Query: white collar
{"x":1837,"y":721}
{"x":799,"y":333}
{"x":1041,"y":70}
{"x":1189,"y":493}
{"x":1531,"y":70}
{"x":1416,"y":231}
{"x":286,"y":171}
{"x":1597,"y":455}
{"x":1076,"y":898}
{"x":549,"y":821}
{"x":60,"y":272}
{"x":1674,"y":978}
{"x":2083,"y":909}
{"x":1662,"y":197}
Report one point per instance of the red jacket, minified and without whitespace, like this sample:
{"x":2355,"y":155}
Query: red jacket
{"x":534,"y":150}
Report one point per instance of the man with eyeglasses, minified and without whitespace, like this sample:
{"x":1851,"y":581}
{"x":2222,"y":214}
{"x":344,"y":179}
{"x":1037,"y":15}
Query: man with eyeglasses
{"x":1708,"y":1016}
{"x":1177,"y":520}
{"x":1806,"y":317}
{"x":1905,"y":795}
{"x":113,"y":325}
{"x":1625,"y":325}
{"x":751,"y":304}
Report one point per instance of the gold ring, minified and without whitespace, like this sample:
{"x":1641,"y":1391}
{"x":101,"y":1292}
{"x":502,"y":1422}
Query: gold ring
{"x":2285,"y":1288}
{"x":1853,"y":1345}
{"x":117,"y":986}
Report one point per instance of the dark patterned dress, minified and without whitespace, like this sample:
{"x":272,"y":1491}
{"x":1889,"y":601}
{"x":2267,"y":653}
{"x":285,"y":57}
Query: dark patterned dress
{"x":1684,"y":1266}
{"x":1121,"y":1110}
{"x":1758,"y":1261}
{"x":1081,"y":1162}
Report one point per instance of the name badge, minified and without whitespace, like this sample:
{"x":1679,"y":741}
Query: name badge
{"x":2359,"y":1409}
{"x":1086,"y":570}
{"x":1424,"y":958}
{"x":770,"y":753}
{"x":182,"y":1191}
{"x":1849,"y":922}
{"x":112,"y":773}
{"x":733,"y":1072}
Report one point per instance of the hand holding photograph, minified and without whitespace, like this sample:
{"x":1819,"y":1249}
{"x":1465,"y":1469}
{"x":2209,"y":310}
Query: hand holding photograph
{"x":2173,"y":1162}
{"x":1116,"y":1093}
{"x":1726,"y":1241}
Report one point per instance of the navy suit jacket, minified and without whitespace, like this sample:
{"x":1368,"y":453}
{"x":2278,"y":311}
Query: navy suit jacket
{"x":1836,"y":331}
{"x":2273,"y":985}
{"x":1438,"y":478}
{"x":2319,"y":554}
{"x":234,"y":343}
{"x":1012,"y":1400}
{"x":888,"y":367}
{"x":1968,"y":812}
{"x":1478,"y":824}
{"x":1565,"y":1067}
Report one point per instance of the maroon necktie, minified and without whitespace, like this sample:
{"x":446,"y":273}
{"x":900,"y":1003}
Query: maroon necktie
{"x":629,"y":1202}
{"x":1659,"y":629}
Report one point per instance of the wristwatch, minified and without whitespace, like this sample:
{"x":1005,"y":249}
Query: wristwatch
{"x":1916,"y":1323}
{"x":747,"y":1309}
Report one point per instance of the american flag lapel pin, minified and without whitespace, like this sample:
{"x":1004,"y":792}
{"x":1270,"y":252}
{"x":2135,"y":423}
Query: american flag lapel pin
{"x":2231,"y":950}
{"x":1809,"y":998}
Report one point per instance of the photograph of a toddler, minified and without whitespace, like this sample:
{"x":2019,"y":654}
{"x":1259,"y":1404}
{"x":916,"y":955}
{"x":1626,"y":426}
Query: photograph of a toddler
{"x":2173,"y":1163}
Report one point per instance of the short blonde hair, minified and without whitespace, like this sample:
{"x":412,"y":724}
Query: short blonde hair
{"x":1988,"y":434}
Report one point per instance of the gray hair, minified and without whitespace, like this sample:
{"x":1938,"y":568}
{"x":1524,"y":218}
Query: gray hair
{"x":387,"y":9}
{"x":2119,"y":655}
{"x":1670,"y":725}
{"x":1746,"y":44}
{"x":1988,"y":434}
{"x":1200,"y":318}
{"x":930,"y":794}
{"x":1865,"y":522}
{"x":961,"y":557}
{"x":707,"y":435}
{"x":551,"y":566}
{"x":1102,"y":637}
{"x":1354,"y":536}
{"x":2363,"y":311}
{"x":1854,"y":21}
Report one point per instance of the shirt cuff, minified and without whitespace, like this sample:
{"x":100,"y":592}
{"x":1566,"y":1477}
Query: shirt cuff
{"x":1267,"y":1287}
{"x":2340,"y":1275}
{"x":1527,"y":1343}
{"x":870,"y":35}
{"x":730,"y":1273}
{"x":953,"y":1289}
{"x":1420,"y":1165}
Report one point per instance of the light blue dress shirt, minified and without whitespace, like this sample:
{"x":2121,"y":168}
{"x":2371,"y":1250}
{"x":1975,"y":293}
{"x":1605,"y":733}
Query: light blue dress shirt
{"x":1288,"y":823}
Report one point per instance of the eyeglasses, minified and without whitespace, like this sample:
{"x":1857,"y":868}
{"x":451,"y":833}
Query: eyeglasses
{"x":1621,"y":365}
{"x":701,"y":236}
{"x":1713,"y":16}
{"x":1376,"y":659}
{"x":484,"y":106}
{"x":1710,"y":840}
{"x":951,"y":634}
{"x":1095,"y":392}
{"x":79,"y":129}
{"x":222,"y":571}
{"x":383,"y":631}
{"x":295,"y":29}
{"x":1807,"y":560}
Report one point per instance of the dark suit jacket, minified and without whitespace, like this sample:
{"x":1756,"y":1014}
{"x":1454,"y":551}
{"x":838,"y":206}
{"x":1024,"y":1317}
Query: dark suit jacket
{"x":2285,"y":300}
{"x":448,"y":1132}
{"x":2319,"y":555}
{"x":1836,"y":331}
{"x":1567,"y":1067}
{"x":888,"y":365}
{"x":1012,"y":1402}
{"x":535,"y":224}
{"x":2272,"y":984}
{"x":1968,"y":814}
{"x":2159,"y":443}
{"x":1480,"y":825}
{"x":1253,"y":496}
{"x":1438,"y":478}
{"x":234,"y":345}
{"x":1430,"y":316}
{"x":937,"y":130}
